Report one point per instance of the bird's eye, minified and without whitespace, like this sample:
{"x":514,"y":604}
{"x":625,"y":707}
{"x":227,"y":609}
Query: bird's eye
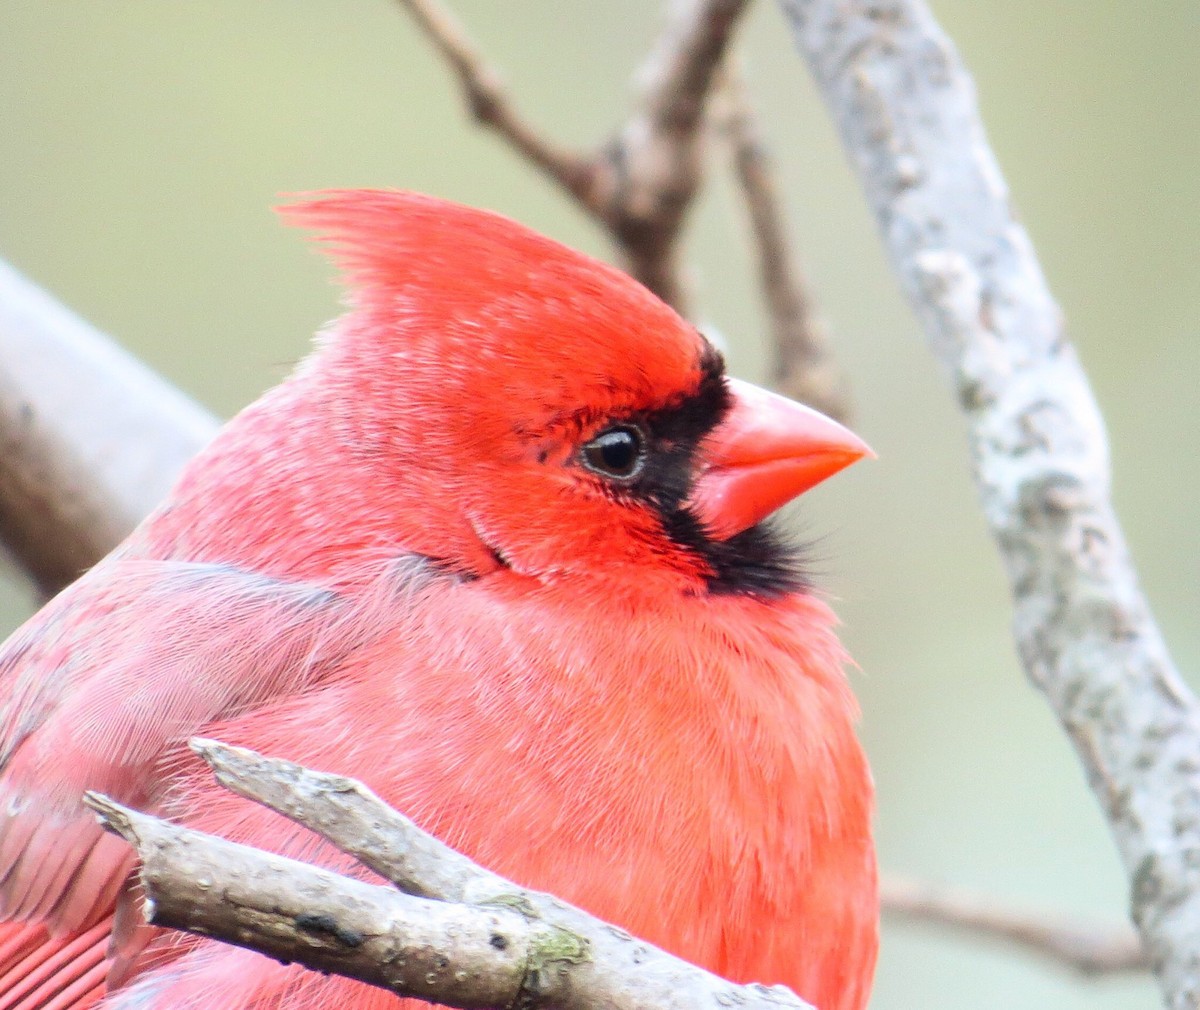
{"x":617,"y":452}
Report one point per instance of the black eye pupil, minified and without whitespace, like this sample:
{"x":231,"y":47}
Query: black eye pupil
{"x":616,"y":452}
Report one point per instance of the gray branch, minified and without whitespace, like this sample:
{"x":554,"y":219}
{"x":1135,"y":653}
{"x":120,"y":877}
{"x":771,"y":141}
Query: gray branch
{"x":292,"y":911}
{"x":90,"y":439}
{"x":454,"y":933}
{"x":907,"y":113}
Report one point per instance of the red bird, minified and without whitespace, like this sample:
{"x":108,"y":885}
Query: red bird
{"x":498,"y":549}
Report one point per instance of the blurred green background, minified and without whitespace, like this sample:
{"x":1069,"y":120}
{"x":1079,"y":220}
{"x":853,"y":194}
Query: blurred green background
{"x":143,"y":143}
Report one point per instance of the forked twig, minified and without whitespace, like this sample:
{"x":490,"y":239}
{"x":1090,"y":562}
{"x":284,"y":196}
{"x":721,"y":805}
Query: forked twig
{"x":454,"y":933}
{"x":640,"y":183}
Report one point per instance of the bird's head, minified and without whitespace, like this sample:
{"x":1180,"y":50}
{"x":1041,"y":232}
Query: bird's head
{"x":521,"y":406}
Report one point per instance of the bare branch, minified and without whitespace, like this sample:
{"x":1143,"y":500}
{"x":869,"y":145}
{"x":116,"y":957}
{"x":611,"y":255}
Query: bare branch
{"x":803,"y":366}
{"x":906,"y":109}
{"x":458,"y":955}
{"x":90,"y":439}
{"x":477,"y":940}
{"x":352,"y":818}
{"x":640,"y":184}
{"x":490,"y":103}
{"x":1083,"y":947}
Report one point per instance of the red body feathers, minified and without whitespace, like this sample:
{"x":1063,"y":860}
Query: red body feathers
{"x":496,"y":549}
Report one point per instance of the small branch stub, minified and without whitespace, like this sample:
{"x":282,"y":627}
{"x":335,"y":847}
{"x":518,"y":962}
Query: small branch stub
{"x":460,"y":956}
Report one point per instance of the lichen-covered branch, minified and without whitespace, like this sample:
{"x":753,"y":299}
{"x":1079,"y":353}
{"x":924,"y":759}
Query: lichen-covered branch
{"x":90,"y":439}
{"x":468,"y":938}
{"x":907,"y":113}
{"x":460,"y":956}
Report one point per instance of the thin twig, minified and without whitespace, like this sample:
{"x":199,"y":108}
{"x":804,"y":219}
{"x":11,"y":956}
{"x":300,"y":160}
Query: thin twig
{"x":648,"y":174}
{"x":906,"y":109}
{"x":1082,"y":947}
{"x":351,"y":817}
{"x":803,"y":365}
{"x":471,"y":939}
{"x":490,"y":103}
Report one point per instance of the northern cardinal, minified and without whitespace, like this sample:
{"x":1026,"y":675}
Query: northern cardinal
{"x":497,"y":548}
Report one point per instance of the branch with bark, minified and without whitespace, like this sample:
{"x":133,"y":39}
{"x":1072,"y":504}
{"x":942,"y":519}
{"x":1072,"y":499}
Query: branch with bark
{"x":448,"y":932}
{"x":90,"y":439}
{"x":906,"y":110}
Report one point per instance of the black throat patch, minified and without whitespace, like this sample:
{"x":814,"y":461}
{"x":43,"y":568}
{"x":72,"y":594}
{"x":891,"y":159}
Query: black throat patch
{"x":760,"y":561}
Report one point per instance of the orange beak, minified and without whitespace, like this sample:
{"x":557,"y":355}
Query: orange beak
{"x":767,"y":451}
